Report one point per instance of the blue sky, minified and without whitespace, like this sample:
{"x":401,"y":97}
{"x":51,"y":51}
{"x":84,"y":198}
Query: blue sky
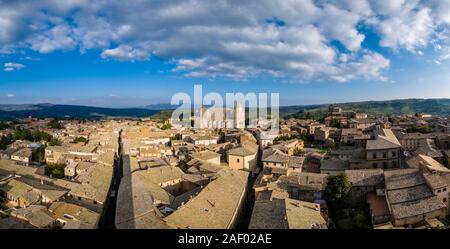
{"x":93,"y":53}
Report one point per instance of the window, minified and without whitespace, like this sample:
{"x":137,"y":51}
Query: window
{"x":394,"y":164}
{"x":374,"y":155}
{"x":237,"y":160}
{"x":439,"y":191}
{"x":384,"y":155}
{"x":444,"y":200}
{"x":385,"y":165}
{"x":375,"y":165}
{"x":394,"y":154}
{"x":79,"y":198}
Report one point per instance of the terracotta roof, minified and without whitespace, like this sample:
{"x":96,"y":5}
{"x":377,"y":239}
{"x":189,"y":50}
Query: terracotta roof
{"x":386,"y":140}
{"x":378,"y":204}
{"x":269,"y":214}
{"x":215,"y":206}
{"x":365,"y":177}
{"x":240,"y":151}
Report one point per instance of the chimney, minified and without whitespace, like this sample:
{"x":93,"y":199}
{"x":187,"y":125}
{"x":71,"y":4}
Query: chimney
{"x":317,"y":207}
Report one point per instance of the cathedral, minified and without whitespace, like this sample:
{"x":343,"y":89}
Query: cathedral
{"x":217,"y":118}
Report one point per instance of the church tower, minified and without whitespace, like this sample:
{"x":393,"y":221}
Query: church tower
{"x":239,"y":115}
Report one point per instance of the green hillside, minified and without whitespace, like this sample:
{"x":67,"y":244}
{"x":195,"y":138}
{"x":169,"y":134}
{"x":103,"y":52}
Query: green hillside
{"x":407,"y":106}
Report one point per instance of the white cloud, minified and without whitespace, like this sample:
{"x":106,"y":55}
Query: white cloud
{"x":442,"y":10}
{"x":390,"y":7}
{"x":232,"y":39}
{"x":360,"y":7}
{"x":126,"y":52}
{"x":11,"y":66}
{"x":111,"y":95}
{"x":10,"y":95}
{"x":341,"y":25}
{"x":370,"y":67}
{"x":56,"y":38}
{"x":410,"y":28}
{"x":444,"y":56}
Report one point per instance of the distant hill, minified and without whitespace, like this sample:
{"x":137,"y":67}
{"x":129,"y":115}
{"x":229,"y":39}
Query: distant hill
{"x":11,"y":112}
{"x":161,"y":107}
{"x":404,"y":106}
{"x":401,"y":106}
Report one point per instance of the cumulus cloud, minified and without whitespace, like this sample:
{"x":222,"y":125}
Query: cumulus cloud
{"x":306,"y":39}
{"x":390,"y":7}
{"x":10,"y":95}
{"x":442,"y":10}
{"x":405,"y":25}
{"x":11,"y":66}
{"x":56,"y":38}
{"x":370,"y":67}
{"x":340,"y":25}
{"x":125,"y":52}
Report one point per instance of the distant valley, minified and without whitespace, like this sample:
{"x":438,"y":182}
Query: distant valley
{"x":11,"y":112}
{"x":45,"y":110}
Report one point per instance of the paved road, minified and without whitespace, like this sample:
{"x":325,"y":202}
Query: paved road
{"x":108,"y":219}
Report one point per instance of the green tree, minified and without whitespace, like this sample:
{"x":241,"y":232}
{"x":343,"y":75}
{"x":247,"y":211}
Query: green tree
{"x":166,"y":126}
{"x":39,"y":154}
{"x":54,"y":142}
{"x":308,"y":115}
{"x":22,"y":134}
{"x":33,"y":136}
{"x":41,"y":135}
{"x":55,"y":124}
{"x":4,"y":125}
{"x":359,"y":220}
{"x":323,"y":150}
{"x":336,"y":123}
{"x":281,"y":138}
{"x":5,"y":141}
{"x":80,"y":140}
{"x":222,"y":136}
{"x":305,"y":137}
{"x":337,"y":192}
{"x":299,"y":152}
{"x":421,"y":129}
{"x":55,"y":170}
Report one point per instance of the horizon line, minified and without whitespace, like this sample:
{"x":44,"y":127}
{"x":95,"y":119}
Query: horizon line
{"x":290,"y":105}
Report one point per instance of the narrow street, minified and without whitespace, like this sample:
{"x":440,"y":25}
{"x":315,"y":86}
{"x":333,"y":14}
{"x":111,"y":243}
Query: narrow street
{"x":108,"y":219}
{"x":247,"y":210}
{"x":249,"y":203}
